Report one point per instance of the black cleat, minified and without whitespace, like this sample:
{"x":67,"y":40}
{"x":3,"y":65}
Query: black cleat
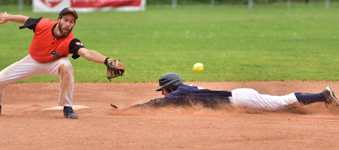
{"x":69,"y":113}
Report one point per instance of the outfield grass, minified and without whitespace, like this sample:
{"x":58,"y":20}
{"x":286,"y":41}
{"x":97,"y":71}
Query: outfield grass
{"x":233,"y":42}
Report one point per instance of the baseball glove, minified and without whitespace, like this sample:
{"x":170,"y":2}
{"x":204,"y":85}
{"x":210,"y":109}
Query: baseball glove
{"x":114,"y":68}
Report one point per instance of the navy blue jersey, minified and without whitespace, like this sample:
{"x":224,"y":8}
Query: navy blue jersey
{"x":186,"y":94}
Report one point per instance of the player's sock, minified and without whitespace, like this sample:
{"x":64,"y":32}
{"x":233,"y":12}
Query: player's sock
{"x":308,"y":98}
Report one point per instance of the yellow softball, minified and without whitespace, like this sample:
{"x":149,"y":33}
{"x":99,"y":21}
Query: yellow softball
{"x":198,"y":67}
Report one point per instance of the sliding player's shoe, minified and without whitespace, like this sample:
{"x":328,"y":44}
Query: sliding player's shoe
{"x":330,"y":97}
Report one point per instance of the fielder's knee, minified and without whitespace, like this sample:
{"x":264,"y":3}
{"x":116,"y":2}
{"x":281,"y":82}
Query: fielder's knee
{"x":65,"y":68}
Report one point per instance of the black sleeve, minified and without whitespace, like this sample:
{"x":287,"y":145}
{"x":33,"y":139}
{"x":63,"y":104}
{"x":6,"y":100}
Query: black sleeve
{"x":158,"y":102}
{"x":74,"y":47}
{"x":31,"y":23}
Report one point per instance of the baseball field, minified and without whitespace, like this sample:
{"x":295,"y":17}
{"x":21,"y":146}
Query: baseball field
{"x":272,"y":49}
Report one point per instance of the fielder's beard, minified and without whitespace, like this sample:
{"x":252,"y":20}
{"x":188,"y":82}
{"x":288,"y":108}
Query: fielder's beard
{"x":62,"y":31}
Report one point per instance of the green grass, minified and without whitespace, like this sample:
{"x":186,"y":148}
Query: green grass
{"x":233,"y":42}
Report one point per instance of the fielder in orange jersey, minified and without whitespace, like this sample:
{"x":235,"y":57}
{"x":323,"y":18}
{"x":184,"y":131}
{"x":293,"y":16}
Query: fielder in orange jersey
{"x":48,"y":54}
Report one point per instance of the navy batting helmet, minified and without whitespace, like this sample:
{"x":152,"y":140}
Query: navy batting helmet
{"x":171,"y":81}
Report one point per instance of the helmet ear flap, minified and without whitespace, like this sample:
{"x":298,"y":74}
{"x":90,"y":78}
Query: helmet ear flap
{"x":169,"y":88}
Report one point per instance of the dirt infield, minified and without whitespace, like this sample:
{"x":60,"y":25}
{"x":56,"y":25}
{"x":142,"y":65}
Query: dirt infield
{"x":24,"y":126}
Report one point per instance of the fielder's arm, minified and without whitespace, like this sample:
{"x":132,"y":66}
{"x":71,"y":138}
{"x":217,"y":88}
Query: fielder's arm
{"x":4,"y":17}
{"x":92,"y":55}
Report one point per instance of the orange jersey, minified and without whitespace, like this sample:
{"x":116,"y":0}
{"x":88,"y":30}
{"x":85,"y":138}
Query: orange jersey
{"x":45,"y":47}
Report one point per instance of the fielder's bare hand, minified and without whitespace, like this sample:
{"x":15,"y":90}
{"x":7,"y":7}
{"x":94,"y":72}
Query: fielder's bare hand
{"x":3,"y":18}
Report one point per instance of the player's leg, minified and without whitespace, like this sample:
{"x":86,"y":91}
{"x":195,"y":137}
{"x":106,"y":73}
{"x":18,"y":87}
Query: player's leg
{"x":62,"y":68}
{"x":308,"y":98}
{"x":18,"y":71}
{"x":326,"y":96}
{"x":250,"y":98}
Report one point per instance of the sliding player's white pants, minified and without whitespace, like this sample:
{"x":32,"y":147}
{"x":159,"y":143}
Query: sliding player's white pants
{"x":28,"y":67}
{"x":250,"y":98}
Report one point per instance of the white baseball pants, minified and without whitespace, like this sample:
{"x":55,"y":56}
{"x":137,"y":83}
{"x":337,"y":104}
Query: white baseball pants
{"x":28,"y":67}
{"x":250,"y":98}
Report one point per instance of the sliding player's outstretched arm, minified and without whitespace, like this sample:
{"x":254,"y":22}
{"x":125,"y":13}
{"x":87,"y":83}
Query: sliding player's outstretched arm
{"x":158,"y":102}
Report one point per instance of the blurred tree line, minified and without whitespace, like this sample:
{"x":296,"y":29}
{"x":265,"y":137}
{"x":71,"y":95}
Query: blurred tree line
{"x":160,"y":2}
